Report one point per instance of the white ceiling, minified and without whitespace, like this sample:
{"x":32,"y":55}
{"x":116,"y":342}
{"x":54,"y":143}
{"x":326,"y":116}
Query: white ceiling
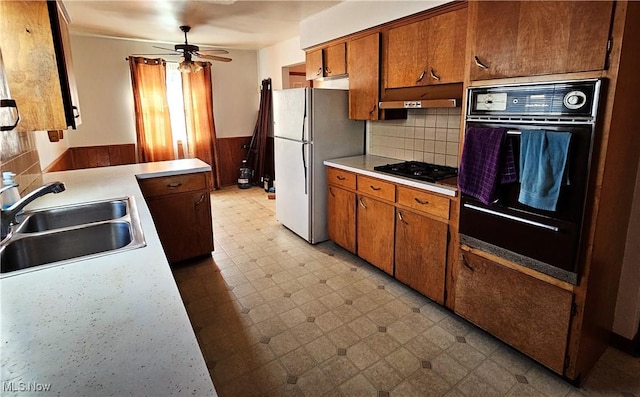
{"x":231,"y":24}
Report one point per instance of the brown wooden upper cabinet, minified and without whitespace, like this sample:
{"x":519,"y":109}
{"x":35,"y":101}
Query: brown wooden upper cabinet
{"x":429,"y":51}
{"x":524,"y":38}
{"x":327,"y":62}
{"x":37,"y":58}
{"x":364,"y":74}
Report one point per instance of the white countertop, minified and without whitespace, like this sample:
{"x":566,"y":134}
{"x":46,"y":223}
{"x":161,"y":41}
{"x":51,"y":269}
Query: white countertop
{"x":364,"y":165}
{"x":111,"y":326}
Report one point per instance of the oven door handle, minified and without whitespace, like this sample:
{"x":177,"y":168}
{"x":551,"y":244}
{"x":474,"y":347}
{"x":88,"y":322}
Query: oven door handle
{"x":513,"y":218}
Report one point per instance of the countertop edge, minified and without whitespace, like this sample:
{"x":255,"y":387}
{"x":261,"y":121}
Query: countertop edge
{"x":363,"y":165}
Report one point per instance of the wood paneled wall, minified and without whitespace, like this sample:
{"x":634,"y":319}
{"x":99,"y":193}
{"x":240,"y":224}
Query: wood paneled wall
{"x":231,"y":151}
{"x":94,"y":156}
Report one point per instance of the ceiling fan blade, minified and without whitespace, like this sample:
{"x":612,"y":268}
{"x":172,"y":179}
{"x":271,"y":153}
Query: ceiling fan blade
{"x":171,"y":55}
{"x":214,"y":51}
{"x":214,"y":57}
{"x":166,"y":49}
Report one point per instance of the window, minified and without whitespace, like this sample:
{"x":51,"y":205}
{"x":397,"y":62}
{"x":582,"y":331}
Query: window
{"x":176,"y":109}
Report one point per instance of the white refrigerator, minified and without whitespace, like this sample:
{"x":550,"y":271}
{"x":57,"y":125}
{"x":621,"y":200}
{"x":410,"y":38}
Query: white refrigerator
{"x":310,"y":125}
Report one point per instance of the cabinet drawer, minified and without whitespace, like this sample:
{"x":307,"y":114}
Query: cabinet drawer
{"x":424,"y":201}
{"x":173,"y":184}
{"x":377,"y":188}
{"x":342,"y":178}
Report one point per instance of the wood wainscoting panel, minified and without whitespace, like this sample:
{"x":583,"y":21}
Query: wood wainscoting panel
{"x":90,"y":156}
{"x":122,"y":154}
{"x":231,"y":151}
{"x":94,"y":156}
{"x":64,"y":162}
{"x":103,"y":156}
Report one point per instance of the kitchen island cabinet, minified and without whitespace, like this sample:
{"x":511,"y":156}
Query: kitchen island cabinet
{"x":537,"y":37}
{"x":37,"y":57}
{"x":525,"y":312}
{"x":181,"y":209}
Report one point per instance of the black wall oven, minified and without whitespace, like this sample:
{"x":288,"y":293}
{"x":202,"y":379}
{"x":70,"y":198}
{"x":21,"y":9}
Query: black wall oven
{"x":547,"y":241}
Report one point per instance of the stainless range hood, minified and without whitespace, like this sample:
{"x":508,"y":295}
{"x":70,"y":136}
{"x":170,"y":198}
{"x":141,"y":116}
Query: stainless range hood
{"x":431,"y":96}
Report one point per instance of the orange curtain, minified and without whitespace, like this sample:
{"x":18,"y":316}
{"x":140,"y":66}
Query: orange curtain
{"x":197,"y":90}
{"x":153,"y":125}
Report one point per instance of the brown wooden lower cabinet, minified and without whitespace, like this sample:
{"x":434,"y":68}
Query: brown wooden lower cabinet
{"x":421,"y":253}
{"x":181,"y":209}
{"x":341,"y":216}
{"x":528,"y":314}
{"x":375,"y":232}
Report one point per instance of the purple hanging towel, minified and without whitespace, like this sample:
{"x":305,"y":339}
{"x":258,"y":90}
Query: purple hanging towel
{"x":482,"y":161}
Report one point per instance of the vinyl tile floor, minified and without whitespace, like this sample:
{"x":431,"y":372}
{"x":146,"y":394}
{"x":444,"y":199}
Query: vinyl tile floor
{"x":276,"y":316}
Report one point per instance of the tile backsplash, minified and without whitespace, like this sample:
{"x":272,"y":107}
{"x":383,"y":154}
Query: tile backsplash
{"x":18,"y":154}
{"x":429,"y":135}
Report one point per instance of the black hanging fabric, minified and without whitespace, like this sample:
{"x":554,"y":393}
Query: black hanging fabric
{"x":260,"y":156}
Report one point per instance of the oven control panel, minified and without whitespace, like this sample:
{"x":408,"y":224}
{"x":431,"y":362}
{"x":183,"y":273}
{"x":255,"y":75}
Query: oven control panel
{"x":570,"y":98}
{"x":492,"y":101}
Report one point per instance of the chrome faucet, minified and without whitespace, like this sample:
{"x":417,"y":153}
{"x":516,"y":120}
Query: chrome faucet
{"x":8,"y":215}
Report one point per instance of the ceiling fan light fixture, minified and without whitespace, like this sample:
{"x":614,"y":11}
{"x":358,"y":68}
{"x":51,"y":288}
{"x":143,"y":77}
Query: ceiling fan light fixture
{"x":189,"y":67}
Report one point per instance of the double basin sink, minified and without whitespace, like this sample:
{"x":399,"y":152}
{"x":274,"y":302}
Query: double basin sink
{"x":58,"y":235}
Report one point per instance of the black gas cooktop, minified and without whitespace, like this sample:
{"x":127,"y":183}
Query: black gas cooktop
{"x":420,"y":171}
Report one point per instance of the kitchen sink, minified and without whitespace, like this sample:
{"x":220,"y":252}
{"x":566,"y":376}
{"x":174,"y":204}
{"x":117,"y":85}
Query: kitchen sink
{"x":59,"y":235}
{"x":72,"y":243}
{"x":72,"y":215}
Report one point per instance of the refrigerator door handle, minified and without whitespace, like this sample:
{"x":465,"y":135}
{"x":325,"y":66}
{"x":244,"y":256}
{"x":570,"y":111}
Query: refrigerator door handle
{"x":304,"y":119}
{"x":304,"y":166}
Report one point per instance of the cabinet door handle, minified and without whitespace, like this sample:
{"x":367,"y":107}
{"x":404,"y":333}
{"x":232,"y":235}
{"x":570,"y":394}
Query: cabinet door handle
{"x":340,"y":177}
{"x":479,"y":63}
{"x":421,"y":76}
{"x":465,"y":263}
{"x":10,"y":103}
{"x":401,"y":218}
{"x":423,"y":202}
{"x":362,"y":203}
{"x":174,"y":185}
{"x":319,"y":72}
{"x":373,"y":109}
{"x":201,"y":200}
{"x":331,"y":192}
{"x":76,"y":112}
{"x":375,"y":188}
{"x":327,"y":70}
{"x":433,"y":75}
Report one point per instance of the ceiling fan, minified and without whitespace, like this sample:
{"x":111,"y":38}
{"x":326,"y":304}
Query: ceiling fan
{"x":189,"y":51}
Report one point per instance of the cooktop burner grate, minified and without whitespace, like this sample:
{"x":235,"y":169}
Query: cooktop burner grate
{"x":420,"y":171}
